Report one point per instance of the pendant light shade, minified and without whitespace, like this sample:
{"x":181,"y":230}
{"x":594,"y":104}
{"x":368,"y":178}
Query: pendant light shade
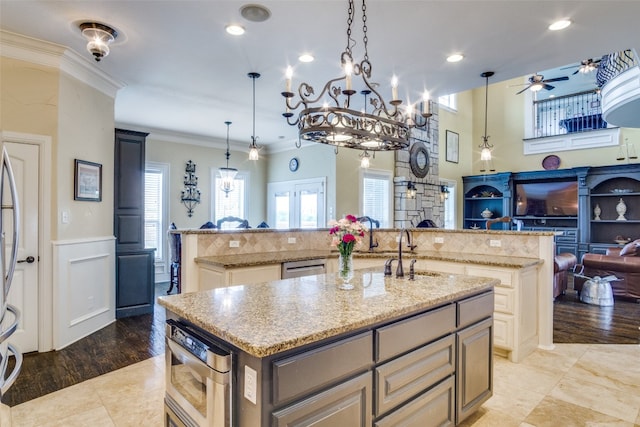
{"x":485,"y":147}
{"x":227,"y":174}
{"x":253,"y":148}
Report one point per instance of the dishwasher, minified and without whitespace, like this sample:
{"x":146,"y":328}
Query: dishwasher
{"x":307,"y":267}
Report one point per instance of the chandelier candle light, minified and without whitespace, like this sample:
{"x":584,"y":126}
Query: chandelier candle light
{"x":346,"y":234}
{"x":386,"y":127}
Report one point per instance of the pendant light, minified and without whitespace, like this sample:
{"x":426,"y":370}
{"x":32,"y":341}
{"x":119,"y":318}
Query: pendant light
{"x":485,"y":147}
{"x":227,"y":174}
{"x":253,"y":148}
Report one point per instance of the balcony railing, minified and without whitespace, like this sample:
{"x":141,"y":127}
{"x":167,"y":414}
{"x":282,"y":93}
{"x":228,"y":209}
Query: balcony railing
{"x":578,"y":112}
{"x":614,"y":64}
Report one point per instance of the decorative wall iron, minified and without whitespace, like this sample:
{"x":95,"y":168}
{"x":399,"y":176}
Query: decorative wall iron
{"x":190,"y":194}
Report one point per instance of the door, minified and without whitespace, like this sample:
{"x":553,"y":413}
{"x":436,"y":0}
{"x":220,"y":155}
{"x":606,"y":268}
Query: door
{"x":24,"y":287}
{"x":297,"y":204}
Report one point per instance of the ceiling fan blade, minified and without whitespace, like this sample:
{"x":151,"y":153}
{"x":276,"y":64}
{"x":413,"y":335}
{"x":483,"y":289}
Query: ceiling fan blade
{"x":518,"y":93}
{"x":548,"y":87}
{"x":557,"y":79}
{"x":575,"y":72}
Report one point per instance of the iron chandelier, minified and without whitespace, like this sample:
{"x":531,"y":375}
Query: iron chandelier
{"x":329,"y":117}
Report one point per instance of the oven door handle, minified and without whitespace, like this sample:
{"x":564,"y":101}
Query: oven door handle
{"x":196,"y":364}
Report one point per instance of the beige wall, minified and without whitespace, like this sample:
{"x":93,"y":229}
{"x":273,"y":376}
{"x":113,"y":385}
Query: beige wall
{"x":43,"y":101}
{"x":207,"y":159}
{"x":86,"y":132}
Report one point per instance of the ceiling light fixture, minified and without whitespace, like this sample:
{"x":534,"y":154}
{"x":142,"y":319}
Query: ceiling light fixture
{"x":99,"y":37}
{"x":560,"y":25}
{"x":456,"y":57}
{"x":306,"y":57}
{"x":387,"y":127}
{"x":234,"y":29}
{"x":253,"y":148}
{"x":227,"y":174}
{"x":485,"y":147}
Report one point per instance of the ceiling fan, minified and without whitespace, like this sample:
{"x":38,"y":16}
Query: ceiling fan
{"x":585,"y":66}
{"x":537,"y":82}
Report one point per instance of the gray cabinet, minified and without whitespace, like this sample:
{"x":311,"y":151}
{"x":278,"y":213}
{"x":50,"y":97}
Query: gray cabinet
{"x":135,"y":277}
{"x":346,"y":404}
{"x":432,"y":368}
{"x":475,"y":368}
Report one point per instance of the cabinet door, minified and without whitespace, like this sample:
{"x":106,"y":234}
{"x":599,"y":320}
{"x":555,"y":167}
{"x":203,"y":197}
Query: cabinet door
{"x":474,"y":375}
{"x":434,"y":408}
{"x":347,"y":404}
{"x":135,"y":277}
{"x":259,"y":274}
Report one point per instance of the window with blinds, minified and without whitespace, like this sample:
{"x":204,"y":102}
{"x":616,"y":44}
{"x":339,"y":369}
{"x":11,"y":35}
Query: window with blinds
{"x":153,"y":203}
{"x":232,"y":203}
{"x":376,"y":196}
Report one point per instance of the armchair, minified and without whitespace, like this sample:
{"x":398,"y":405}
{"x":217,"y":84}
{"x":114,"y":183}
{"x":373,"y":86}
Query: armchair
{"x":624,"y":263}
{"x":240,"y":223}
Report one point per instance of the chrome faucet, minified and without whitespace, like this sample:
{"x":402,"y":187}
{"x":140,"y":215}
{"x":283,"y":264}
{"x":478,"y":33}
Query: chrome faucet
{"x":371,"y":222}
{"x":410,"y":245}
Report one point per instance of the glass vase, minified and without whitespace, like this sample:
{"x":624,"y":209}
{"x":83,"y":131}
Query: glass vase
{"x":345,"y":271}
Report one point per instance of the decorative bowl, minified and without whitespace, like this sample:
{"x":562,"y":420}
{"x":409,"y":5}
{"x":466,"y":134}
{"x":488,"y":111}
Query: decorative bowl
{"x":486,"y":213}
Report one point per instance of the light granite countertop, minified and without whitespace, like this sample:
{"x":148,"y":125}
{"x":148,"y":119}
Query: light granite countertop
{"x":267,"y":318}
{"x":262,"y":258}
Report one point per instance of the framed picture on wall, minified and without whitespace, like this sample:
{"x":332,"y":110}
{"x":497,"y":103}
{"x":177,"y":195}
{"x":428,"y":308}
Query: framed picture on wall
{"x":452,"y":154}
{"x":87,"y":184}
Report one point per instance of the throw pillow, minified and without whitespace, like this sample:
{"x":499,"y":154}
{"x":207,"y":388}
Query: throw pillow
{"x":631,"y":249}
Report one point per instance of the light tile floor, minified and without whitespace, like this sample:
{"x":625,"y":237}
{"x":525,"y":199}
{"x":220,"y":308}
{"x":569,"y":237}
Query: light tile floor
{"x":573,"y":385}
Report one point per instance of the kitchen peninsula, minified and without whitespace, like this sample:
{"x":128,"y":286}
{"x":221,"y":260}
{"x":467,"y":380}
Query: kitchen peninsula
{"x":388,"y":350}
{"x":521,"y":260}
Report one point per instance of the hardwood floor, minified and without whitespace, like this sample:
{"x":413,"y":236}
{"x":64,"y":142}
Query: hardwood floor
{"x":577,"y":322}
{"x":133,"y":339}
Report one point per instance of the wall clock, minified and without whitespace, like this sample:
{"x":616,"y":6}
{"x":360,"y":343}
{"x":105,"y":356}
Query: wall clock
{"x":294,"y":163}
{"x":419,"y":159}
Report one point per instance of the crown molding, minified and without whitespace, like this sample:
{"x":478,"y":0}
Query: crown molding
{"x":53,"y":55}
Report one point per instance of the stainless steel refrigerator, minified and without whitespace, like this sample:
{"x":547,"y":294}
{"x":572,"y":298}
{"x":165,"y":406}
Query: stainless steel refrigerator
{"x":9,"y":315}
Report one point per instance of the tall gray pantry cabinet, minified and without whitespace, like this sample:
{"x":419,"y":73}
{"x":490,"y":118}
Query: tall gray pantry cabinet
{"x":135,"y":274}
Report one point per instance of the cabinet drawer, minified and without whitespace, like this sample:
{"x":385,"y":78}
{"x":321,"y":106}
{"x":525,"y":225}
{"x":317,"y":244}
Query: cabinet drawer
{"x":414,"y":332}
{"x":434,"y":408}
{"x":505,"y":300}
{"x":310,"y":371}
{"x":263,"y":273}
{"x":506,"y":277}
{"x":347,"y":404}
{"x":503,"y":330}
{"x":409,"y":375}
{"x":473,"y":309}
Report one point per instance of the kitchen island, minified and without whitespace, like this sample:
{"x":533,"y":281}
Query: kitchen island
{"x":386,"y":351}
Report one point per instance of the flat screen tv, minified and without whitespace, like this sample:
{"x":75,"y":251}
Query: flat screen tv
{"x":546,"y":199}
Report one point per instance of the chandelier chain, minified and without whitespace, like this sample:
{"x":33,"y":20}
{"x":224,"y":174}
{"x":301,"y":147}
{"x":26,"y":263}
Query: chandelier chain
{"x":365,"y":38}
{"x":350,"y":15}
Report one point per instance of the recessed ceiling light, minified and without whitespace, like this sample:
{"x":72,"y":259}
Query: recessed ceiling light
{"x":235,"y":30}
{"x":306,"y":57}
{"x":560,"y":25}
{"x":456,"y":57}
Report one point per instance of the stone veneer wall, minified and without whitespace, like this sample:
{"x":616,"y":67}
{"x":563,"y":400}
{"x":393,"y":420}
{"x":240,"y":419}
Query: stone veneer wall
{"x":516,"y":244}
{"x":427,"y":204}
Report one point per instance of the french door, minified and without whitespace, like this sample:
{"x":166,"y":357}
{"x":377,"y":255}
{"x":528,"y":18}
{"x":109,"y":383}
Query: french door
{"x":297,"y":204}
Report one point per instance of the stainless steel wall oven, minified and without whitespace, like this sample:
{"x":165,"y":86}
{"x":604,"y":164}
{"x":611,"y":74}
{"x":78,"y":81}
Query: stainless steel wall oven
{"x":199,"y":379}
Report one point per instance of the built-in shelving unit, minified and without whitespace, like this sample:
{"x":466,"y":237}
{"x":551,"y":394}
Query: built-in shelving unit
{"x":486,"y":193}
{"x":603,"y":187}
{"x":614,"y":210}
